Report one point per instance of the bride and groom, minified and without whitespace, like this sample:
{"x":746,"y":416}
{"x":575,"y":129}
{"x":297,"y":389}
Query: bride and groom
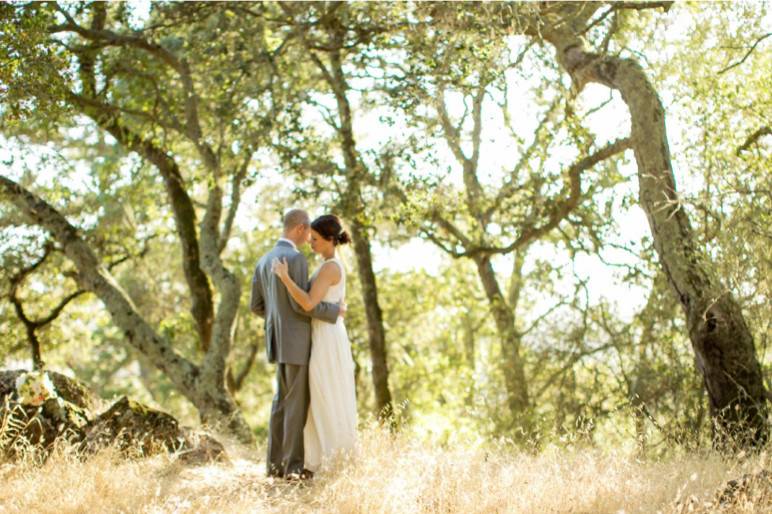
{"x":313,"y":415}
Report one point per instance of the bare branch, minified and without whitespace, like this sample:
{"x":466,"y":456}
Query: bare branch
{"x":442,"y":245}
{"x":639,"y":6}
{"x":477,"y":124}
{"x":621,"y":6}
{"x":452,"y":133}
{"x":236,"y":181}
{"x":512,"y":184}
{"x":747,"y":54}
{"x":453,"y":230}
{"x":576,"y":357}
{"x":236,"y":382}
{"x":562,"y":208}
{"x":753,"y":138}
{"x":611,"y":31}
{"x":59,"y":308}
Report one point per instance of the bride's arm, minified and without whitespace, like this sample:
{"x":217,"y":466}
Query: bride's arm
{"x":328,"y":275}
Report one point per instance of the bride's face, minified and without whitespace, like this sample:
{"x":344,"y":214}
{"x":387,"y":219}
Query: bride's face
{"x":318,"y":243}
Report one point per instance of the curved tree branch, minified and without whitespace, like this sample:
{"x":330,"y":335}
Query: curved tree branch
{"x":562,"y":208}
{"x":93,"y":277}
{"x":753,"y":138}
{"x":202,"y":307}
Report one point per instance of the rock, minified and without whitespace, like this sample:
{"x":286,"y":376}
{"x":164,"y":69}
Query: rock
{"x":67,"y":388}
{"x":133,"y":427}
{"x":63,"y":417}
{"x":138,"y":430}
{"x":202,"y":449}
{"x":750,"y":484}
{"x":39,"y":426}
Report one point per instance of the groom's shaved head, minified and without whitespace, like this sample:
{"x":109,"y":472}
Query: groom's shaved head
{"x":295,"y":217}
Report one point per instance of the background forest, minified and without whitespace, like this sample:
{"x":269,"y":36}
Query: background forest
{"x":561,"y":212}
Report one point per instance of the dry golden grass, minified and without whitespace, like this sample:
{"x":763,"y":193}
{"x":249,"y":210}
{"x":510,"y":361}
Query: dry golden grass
{"x":390,"y":474}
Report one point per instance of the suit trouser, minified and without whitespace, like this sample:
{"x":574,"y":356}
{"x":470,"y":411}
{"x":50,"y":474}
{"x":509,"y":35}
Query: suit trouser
{"x":288,"y":417}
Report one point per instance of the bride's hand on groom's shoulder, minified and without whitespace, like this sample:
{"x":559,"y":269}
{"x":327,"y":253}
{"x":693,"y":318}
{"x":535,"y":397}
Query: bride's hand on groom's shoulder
{"x":280,"y":268}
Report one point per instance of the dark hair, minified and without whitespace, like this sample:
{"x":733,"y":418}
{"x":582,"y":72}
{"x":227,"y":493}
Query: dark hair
{"x":329,"y":227}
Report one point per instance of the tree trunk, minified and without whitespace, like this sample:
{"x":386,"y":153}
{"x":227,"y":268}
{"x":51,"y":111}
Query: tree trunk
{"x":375,"y":330}
{"x":34,"y":342}
{"x":722,"y":343}
{"x":352,"y":207}
{"x":215,"y":406}
{"x":511,"y":362}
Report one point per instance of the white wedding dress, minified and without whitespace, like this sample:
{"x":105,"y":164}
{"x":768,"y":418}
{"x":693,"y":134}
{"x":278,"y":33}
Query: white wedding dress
{"x":332,"y":416}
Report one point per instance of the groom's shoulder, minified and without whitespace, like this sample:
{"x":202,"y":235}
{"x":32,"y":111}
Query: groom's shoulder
{"x":296,"y":255}
{"x":282,"y":251}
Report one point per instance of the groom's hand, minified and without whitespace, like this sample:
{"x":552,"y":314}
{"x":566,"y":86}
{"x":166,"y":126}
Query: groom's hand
{"x":343,"y":308}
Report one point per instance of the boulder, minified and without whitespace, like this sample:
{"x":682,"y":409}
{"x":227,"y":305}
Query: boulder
{"x":67,"y":388}
{"x":63,"y":417}
{"x":132,"y":427}
{"x":201,"y":448}
{"x":136,"y":430}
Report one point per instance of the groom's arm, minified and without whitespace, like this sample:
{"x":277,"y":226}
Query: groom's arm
{"x":256,"y":300}
{"x":298,"y":271}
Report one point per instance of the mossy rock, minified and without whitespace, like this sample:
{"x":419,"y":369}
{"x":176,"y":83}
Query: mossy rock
{"x":134,"y":428}
{"x":140,"y":431}
{"x":70,"y":389}
{"x":25,"y":426}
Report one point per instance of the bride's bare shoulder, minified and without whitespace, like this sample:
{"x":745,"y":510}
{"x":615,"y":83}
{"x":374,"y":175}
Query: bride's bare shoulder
{"x":332,"y":270}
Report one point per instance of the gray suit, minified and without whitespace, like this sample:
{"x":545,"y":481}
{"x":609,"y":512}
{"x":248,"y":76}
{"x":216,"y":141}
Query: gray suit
{"x":288,"y":342}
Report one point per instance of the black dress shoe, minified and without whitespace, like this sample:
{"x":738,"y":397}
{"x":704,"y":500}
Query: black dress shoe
{"x":299,"y":476}
{"x":274,"y":473}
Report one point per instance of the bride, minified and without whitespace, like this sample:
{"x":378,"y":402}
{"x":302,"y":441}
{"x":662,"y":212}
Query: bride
{"x":332,"y":418}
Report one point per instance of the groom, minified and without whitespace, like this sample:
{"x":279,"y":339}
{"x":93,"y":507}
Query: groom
{"x":288,"y":342}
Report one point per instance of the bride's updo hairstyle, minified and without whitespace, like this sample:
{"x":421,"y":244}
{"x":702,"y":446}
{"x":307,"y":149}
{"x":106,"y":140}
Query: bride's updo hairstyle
{"x":329,"y":227}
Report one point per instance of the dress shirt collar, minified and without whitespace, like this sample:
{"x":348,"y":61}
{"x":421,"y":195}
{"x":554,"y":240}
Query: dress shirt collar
{"x":292,"y":243}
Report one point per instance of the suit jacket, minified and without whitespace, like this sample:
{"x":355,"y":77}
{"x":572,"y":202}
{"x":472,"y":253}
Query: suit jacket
{"x":287,"y":325}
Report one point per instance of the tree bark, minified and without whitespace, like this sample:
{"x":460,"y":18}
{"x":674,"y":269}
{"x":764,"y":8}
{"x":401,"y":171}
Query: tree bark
{"x":375,"y":329}
{"x":723,"y":345}
{"x":212,"y":382}
{"x":511,"y":360}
